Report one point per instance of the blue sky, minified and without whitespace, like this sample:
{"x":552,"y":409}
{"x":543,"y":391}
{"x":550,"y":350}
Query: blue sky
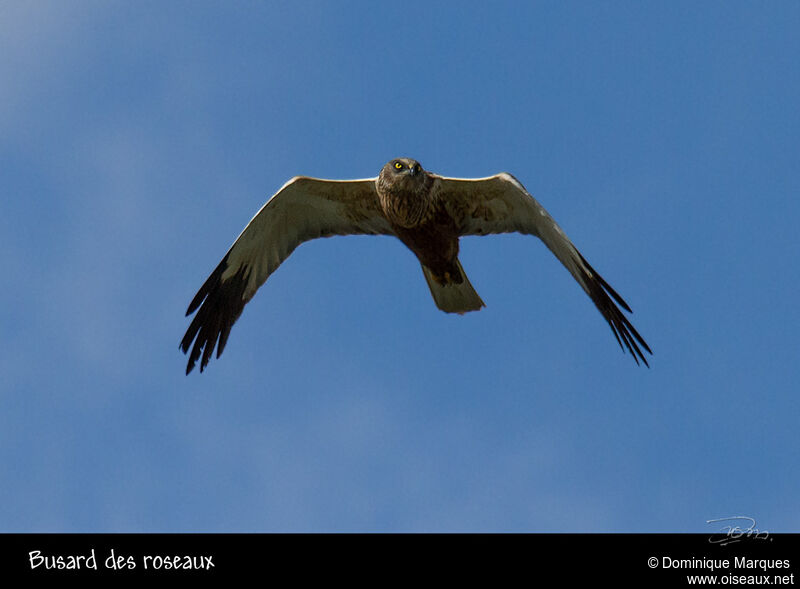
{"x":137,"y":140}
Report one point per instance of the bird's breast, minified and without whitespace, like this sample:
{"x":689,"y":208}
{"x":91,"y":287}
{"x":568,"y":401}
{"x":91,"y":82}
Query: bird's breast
{"x":407,"y":204}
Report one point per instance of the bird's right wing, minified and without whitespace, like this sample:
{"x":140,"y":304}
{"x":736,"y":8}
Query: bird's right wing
{"x":303,"y":209}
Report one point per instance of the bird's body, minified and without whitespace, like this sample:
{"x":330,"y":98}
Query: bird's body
{"x":435,"y":243}
{"x":409,"y":200}
{"x":427,"y":212}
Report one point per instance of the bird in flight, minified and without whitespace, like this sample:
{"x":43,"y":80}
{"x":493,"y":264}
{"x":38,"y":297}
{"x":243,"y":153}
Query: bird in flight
{"x":427,"y":212}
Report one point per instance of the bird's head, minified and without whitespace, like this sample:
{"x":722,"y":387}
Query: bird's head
{"x":403,"y":170}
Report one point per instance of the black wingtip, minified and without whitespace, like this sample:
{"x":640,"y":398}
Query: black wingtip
{"x":190,"y":364}
{"x":606,"y":286}
{"x":625,"y":333}
{"x":218,"y":304}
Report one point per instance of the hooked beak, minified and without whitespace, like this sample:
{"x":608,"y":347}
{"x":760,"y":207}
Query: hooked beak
{"x":413,"y":170}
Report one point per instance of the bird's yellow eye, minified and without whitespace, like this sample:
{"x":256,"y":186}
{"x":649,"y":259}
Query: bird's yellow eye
{"x":398,"y":166}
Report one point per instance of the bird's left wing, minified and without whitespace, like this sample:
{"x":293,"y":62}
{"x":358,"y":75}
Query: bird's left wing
{"x":303,"y":209}
{"x":500,"y":204}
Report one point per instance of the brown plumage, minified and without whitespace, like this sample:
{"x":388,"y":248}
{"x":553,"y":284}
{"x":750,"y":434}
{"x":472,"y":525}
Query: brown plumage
{"x":409,"y":200}
{"x":427,"y":212}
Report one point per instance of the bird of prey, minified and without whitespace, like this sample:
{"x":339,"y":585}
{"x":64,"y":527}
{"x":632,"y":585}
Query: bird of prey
{"x":427,"y":212}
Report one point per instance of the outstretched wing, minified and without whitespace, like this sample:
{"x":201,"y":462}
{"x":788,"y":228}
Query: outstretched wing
{"x":303,"y":209}
{"x":500,"y":204}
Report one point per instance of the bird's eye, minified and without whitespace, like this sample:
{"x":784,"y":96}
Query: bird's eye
{"x":398,"y":166}
{"x":417,"y":168}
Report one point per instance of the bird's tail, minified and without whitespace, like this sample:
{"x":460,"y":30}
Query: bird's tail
{"x":453,"y":293}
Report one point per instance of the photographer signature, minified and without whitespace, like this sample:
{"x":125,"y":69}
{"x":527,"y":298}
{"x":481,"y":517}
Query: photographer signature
{"x":734,"y":532}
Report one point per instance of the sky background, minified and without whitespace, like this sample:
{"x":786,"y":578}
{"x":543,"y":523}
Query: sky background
{"x":138,"y":138}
